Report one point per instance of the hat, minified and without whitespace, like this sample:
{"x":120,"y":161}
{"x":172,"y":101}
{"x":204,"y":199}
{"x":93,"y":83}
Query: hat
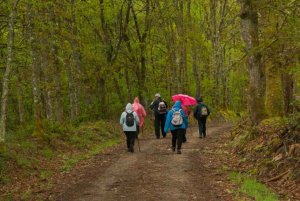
{"x":199,"y":99}
{"x":157,"y":95}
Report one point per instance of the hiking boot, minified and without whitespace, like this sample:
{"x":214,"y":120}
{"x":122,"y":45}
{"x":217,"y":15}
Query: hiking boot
{"x":178,"y":151}
{"x":132,"y":150}
{"x":173,"y":148}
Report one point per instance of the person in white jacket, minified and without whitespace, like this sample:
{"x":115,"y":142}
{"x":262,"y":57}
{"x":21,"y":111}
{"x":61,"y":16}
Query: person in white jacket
{"x":129,"y":120}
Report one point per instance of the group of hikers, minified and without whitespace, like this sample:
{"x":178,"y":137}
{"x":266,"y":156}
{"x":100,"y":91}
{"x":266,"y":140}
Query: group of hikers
{"x":174,"y":119}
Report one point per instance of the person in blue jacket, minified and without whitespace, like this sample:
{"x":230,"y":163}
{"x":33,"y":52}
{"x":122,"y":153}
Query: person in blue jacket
{"x":177,"y":122}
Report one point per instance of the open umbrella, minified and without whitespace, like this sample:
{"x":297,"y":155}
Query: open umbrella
{"x":184,"y":99}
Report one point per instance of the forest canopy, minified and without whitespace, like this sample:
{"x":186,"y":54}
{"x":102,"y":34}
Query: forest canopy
{"x":73,"y":61}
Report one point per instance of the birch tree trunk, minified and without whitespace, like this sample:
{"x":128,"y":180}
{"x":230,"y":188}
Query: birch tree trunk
{"x":249,"y":28}
{"x":5,"y":89}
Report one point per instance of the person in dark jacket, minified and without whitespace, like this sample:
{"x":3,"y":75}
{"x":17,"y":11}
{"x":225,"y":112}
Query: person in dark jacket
{"x":159,"y":108}
{"x":201,"y":113}
{"x":178,"y":130}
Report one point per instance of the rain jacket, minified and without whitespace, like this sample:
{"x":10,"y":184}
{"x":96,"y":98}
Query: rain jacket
{"x":123,"y":119}
{"x":168,"y":124}
{"x":186,"y":110}
{"x":139,"y":109}
{"x":198,"y":108}
{"x":154,"y":106}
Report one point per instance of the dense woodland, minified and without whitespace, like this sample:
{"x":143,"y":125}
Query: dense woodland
{"x":83,"y":60}
{"x":69,"y":67}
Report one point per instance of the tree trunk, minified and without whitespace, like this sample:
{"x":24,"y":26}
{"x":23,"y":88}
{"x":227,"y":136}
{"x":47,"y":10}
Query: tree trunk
{"x":37,"y":102}
{"x":215,"y":45}
{"x":74,"y":69}
{"x":20,"y":98}
{"x":288,"y":92}
{"x":55,"y":66}
{"x":195,"y":52}
{"x":5,"y":88}
{"x":249,"y":28}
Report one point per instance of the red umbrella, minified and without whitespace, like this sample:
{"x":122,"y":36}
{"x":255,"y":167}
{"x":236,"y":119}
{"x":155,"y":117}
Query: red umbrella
{"x":184,"y":99}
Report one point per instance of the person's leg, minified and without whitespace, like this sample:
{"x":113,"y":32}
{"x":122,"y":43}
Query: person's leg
{"x":137,"y":131}
{"x":184,"y":136}
{"x":132,"y":135}
{"x":199,"y":127}
{"x":180,"y":133}
{"x":204,"y":127}
{"x":127,"y":140}
{"x":162,"y":124}
{"x":174,"y":139}
{"x":157,"y":126}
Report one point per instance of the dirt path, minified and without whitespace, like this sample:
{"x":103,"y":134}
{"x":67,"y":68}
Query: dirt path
{"x":157,"y":173}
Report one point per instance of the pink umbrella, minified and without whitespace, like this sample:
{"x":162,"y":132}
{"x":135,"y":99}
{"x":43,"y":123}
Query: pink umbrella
{"x":184,"y":99}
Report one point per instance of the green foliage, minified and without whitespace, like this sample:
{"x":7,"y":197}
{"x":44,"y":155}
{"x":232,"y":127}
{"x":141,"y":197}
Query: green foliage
{"x":252,"y":188}
{"x":72,"y":160}
{"x":47,"y":153}
{"x":45,"y":174}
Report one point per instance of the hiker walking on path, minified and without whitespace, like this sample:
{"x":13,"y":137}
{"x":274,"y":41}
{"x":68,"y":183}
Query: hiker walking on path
{"x":140,"y":111}
{"x":187,"y":113}
{"x":201,"y":113}
{"x":177,"y":122}
{"x":159,"y":107}
{"x":129,"y":120}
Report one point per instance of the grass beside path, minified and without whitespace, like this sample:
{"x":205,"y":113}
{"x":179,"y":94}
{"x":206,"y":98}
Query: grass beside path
{"x":30,"y":165}
{"x":252,"y":188}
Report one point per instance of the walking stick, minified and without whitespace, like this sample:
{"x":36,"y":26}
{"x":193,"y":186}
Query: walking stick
{"x":138,"y":140}
{"x":139,"y":144}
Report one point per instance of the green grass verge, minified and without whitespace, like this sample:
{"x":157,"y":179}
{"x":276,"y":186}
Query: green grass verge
{"x":69,"y":163}
{"x":252,"y":188}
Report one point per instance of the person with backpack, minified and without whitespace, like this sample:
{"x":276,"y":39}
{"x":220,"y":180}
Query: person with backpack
{"x":177,"y":122}
{"x":201,"y":113}
{"x":140,"y":111}
{"x":159,"y":107}
{"x":129,"y":120}
{"x":187,"y":113}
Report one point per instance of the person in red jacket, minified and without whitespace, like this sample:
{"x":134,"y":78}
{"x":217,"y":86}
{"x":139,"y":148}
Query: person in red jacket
{"x":140,"y":110}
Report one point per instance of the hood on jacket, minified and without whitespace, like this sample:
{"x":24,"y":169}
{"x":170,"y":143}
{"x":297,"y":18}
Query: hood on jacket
{"x":136,"y":100}
{"x":177,"y":105}
{"x":199,"y":99}
{"x":128,"y":107}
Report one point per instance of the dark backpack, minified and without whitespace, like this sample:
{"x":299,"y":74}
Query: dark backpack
{"x":129,"y":120}
{"x":203,"y":111}
{"x":162,"y":108}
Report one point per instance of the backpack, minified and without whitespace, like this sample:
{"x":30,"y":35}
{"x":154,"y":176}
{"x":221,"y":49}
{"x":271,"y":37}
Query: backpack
{"x":129,"y":120}
{"x":177,"y":119}
{"x":162,"y":108}
{"x":203,"y":111}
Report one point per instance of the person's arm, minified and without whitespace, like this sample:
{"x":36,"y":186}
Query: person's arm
{"x":166,"y":104}
{"x":168,"y":121}
{"x":185,"y":121}
{"x":196,"y":112}
{"x":144,"y":114}
{"x":208,"y":110}
{"x":152,"y":105}
{"x":122,"y":119}
{"x":136,"y":117}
